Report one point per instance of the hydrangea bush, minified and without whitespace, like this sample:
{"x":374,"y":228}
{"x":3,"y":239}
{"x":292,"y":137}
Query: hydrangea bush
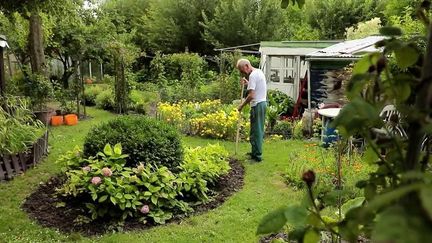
{"x":111,"y":190}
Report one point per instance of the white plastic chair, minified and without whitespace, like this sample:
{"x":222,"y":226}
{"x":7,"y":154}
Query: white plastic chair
{"x":392,"y":119}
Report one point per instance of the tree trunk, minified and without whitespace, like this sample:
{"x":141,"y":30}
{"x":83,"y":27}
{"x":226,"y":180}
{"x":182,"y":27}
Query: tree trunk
{"x":423,"y":104}
{"x":36,"y":49}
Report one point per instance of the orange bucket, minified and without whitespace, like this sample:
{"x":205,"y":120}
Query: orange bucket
{"x":71,"y":119}
{"x":56,"y":121}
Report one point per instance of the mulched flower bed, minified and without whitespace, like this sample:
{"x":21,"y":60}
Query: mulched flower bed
{"x":44,"y":207}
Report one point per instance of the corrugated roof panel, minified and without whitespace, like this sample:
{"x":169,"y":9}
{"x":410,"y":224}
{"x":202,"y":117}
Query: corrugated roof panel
{"x":3,"y":44}
{"x":349,"y":49}
{"x":298,"y":44}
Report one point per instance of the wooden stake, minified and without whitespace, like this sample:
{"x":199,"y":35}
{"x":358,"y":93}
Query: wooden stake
{"x":239,"y":120}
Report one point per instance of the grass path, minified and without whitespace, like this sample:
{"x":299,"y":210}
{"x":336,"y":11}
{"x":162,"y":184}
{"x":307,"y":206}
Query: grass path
{"x":235,"y":221}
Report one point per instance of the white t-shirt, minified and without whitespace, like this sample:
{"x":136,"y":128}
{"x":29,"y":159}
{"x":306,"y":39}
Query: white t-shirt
{"x":257,"y":82}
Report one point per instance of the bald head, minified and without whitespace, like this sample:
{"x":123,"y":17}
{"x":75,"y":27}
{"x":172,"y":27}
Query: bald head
{"x":244,"y":66}
{"x":242,"y":62}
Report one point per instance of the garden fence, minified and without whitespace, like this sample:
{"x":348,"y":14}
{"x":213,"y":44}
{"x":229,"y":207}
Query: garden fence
{"x":15,"y":164}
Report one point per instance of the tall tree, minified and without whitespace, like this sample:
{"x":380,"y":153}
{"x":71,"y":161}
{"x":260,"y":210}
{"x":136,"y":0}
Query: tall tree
{"x":68,"y":38}
{"x":31,"y":9}
{"x":332,"y":17}
{"x":238,"y":22}
{"x":173,"y":25}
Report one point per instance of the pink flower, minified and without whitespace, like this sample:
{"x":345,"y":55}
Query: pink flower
{"x":145,"y":209}
{"x":96,"y":180}
{"x":86,"y":168}
{"x":106,"y":171}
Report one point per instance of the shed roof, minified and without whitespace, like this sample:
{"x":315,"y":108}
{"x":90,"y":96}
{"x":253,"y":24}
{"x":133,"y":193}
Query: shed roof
{"x":3,"y":42}
{"x":352,"y":49}
{"x":298,"y":44}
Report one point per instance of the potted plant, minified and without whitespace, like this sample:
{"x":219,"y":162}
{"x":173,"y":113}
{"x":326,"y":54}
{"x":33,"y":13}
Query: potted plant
{"x":67,"y":106}
{"x":70,"y":118}
{"x":89,"y":80}
{"x":39,"y":89}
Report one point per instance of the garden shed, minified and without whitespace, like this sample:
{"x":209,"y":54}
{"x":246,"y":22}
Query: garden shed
{"x":284,"y":64}
{"x":326,"y":66}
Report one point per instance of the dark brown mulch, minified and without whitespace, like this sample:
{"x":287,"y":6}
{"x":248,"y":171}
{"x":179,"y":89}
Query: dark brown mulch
{"x":44,"y":207}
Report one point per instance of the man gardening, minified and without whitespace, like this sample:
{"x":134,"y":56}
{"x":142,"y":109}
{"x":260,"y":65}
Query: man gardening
{"x":257,"y":96}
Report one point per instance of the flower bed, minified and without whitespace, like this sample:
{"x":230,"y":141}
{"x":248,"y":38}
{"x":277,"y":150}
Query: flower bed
{"x":23,"y":139}
{"x":322,"y":161}
{"x":205,"y":119}
{"x":101,"y":194}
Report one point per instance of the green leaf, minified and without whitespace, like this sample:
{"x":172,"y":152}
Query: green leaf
{"x":384,"y":199}
{"x":402,"y":91}
{"x":313,"y":220}
{"x":154,"y":200}
{"x":426,"y":199}
{"x":356,"y":115}
{"x":311,"y":236}
{"x":108,"y":150}
{"x":396,"y":225}
{"x":390,"y":31}
{"x":128,"y":196}
{"x":113,"y":200}
{"x":329,"y":220}
{"x":118,"y":149}
{"x":103,"y":198}
{"x":147,"y":193}
{"x":94,"y":196}
{"x":272,"y":222}
{"x":285,"y":3}
{"x":356,"y":85}
{"x":296,"y":215}
{"x":362,"y":66}
{"x":370,"y":156}
{"x":406,"y":56}
{"x":154,"y":189}
{"x":350,"y":204}
{"x":301,"y":3}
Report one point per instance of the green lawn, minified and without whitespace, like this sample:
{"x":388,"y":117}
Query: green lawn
{"x":235,"y":221}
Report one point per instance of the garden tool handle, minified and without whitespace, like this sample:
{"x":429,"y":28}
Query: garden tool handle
{"x":239,"y":119}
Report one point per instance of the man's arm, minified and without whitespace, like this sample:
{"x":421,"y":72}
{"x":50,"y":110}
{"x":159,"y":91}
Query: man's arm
{"x":249,"y":98}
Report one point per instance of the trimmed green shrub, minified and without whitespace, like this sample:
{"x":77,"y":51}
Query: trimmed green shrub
{"x":141,"y":101}
{"x":91,"y":92}
{"x":105,"y":100}
{"x":144,"y":139}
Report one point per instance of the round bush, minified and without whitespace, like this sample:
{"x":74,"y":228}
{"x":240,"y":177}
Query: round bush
{"x":105,"y":100}
{"x":144,"y":139}
{"x":91,"y":92}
